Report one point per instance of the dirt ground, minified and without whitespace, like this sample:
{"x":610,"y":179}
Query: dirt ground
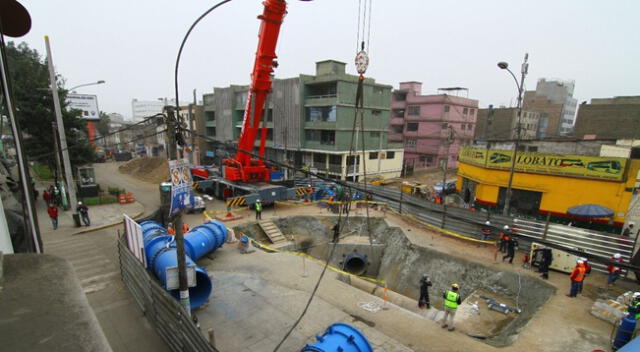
{"x":562,"y":323}
{"x":152,"y":170}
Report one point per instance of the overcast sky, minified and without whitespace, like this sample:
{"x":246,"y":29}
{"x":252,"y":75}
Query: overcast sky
{"x":132,"y":45}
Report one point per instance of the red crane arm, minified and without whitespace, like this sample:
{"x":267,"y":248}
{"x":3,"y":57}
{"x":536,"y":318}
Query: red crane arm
{"x":243,"y":167}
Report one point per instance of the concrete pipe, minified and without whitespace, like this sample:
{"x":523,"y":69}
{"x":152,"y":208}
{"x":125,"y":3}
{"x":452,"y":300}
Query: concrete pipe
{"x":355,"y":263}
{"x":161,"y":253}
{"x":340,"y":337}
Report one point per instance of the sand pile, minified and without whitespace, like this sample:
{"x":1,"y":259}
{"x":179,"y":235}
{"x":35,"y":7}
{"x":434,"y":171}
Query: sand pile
{"x":153,"y":170}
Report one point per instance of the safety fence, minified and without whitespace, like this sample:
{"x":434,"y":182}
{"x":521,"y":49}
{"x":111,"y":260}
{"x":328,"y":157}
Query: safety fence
{"x":164,"y":312}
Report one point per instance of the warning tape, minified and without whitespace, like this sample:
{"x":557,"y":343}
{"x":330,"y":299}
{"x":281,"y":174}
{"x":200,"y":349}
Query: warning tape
{"x":330,"y":267}
{"x":287,"y":202}
{"x":237,"y":201}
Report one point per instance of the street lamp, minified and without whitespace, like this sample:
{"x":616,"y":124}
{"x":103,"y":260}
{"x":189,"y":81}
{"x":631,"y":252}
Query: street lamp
{"x":525,"y":68}
{"x":87,"y":84}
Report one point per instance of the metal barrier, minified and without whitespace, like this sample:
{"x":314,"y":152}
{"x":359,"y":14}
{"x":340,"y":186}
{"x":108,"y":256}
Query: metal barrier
{"x":468,"y":223}
{"x":166,"y":315}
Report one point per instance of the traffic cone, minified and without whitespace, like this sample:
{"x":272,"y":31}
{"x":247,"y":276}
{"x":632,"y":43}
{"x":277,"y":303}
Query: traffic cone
{"x":229,"y":215}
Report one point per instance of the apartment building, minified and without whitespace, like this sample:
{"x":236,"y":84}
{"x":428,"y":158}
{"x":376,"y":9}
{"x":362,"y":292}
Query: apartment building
{"x":554,"y":100}
{"x":502,"y":123}
{"x":431,"y":127}
{"x":310,"y":123}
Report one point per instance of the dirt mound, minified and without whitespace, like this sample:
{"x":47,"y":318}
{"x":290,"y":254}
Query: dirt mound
{"x":153,"y":170}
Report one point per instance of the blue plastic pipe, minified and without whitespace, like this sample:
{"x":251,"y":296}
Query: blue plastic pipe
{"x":161,"y":253}
{"x":625,"y":331}
{"x":340,"y":337}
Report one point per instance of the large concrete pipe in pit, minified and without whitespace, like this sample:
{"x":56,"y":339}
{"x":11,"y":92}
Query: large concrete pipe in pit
{"x":340,"y":337}
{"x":355,"y":263}
{"x":161,"y":253}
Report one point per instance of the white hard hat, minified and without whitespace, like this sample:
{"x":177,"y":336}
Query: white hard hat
{"x":505,"y":227}
{"x":487,"y":222}
{"x":257,"y":200}
{"x":617,"y":256}
{"x":636,"y":294}
{"x":580,"y":261}
{"x":583,"y":259}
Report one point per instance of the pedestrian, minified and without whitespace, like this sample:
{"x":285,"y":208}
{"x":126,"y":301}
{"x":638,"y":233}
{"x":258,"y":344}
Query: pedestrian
{"x":614,"y":271}
{"x":486,"y":230}
{"x":46,"y":196}
{"x":503,"y":241}
{"x":258,"y":208}
{"x":185,"y":228}
{"x":170,"y":229}
{"x":52,"y":210}
{"x":587,"y":270}
{"x":511,"y":245}
{"x":57,"y":197}
{"x":577,"y":278}
{"x":423,"y":301}
{"x":84,"y":213}
{"x":451,"y":301}
{"x":628,"y":231}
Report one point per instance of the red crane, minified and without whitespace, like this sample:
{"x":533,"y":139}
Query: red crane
{"x":243,"y":166}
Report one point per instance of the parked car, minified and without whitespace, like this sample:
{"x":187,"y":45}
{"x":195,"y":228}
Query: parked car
{"x":197,"y":205}
{"x":450,"y":187}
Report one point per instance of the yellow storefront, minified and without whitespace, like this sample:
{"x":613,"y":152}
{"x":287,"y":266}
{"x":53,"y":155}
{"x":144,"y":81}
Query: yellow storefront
{"x":548,"y":182}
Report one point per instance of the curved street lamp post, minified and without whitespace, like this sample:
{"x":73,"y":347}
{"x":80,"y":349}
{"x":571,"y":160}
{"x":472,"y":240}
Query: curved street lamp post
{"x":525,"y":68}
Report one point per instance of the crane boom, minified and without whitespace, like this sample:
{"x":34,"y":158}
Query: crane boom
{"x":243,"y":167}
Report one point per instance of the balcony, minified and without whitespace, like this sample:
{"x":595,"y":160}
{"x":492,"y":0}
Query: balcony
{"x":395,"y":137}
{"x":321,"y":100}
{"x":337,"y":168}
{"x":396,"y":121}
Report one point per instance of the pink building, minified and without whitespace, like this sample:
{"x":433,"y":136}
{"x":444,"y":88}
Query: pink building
{"x":426,"y":123}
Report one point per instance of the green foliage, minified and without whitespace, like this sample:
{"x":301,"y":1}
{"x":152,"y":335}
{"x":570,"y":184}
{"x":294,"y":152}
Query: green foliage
{"x":103,"y":199}
{"x":103,"y":126}
{"x":115,"y":191}
{"x":34,"y":105}
{"x":42,"y":171}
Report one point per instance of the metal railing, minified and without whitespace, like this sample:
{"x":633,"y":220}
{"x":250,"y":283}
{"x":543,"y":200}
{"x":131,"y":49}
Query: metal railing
{"x":468,"y":223}
{"x":166,"y":315}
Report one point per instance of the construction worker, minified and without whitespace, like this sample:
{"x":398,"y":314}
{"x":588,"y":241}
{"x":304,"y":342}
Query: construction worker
{"x":577,"y":278}
{"x":504,"y":237}
{"x":171,"y":230}
{"x":545,"y":262}
{"x":309,"y":193}
{"x":423,"y":301}
{"x":634,"y":306}
{"x":185,"y":228}
{"x":451,"y":301}
{"x":511,"y":244}
{"x":258,"y":208}
{"x":614,"y":271}
{"x":486,"y":230}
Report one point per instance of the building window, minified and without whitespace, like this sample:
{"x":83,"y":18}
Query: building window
{"x":328,"y":90}
{"x":322,"y":136}
{"x":462,"y":127}
{"x":321,"y":113}
{"x":211,"y":131}
{"x":445,"y":125}
{"x":397,"y":128}
{"x":412,"y":127}
{"x":465,"y":111}
{"x":376,"y":112}
{"x":414,"y":110}
{"x":400,"y":96}
{"x":410,"y":142}
{"x":210,"y":115}
{"x":377,"y":90}
{"x":375,"y":134}
{"x":319,"y":158}
{"x":391,"y":155}
{"x":270,"y":134}
{"x":446,"y":108}
{"x":470,"y":127}
{"x":398,"y":113}
{"x":241,"y":99}
{"x":471,"y":111}
{"x":335,"y":159}
{"x":533,"y":149}
{"x":270,"y":115}
{"x":373,"y":156}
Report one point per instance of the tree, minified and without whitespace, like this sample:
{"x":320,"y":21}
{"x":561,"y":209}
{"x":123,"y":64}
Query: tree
{"x":103,"y":126}
{"x":29,"y":75}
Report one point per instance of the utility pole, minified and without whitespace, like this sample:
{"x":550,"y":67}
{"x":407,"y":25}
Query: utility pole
{"x":177,"y":222}
{"x":445,"y":166}
{"x":58,"y":172}
{"x":28,"y":207}
{"x":71,"y":187}
{"x":192,"y":126}
{"x":524,"y":69}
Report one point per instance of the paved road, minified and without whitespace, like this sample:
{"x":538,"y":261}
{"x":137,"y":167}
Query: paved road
{"x":95,"y":260}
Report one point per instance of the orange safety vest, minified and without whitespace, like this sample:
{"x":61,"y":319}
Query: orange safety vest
{"x":578,"y":273}
{"x":185,"y":228}
{"x":171,"y":231}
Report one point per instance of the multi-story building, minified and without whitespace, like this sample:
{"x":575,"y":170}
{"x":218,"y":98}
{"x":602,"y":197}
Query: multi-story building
{"x":310,"y":123}
{"x":141,"y":109}
{"x":617,"y":117}
{"x":502,"y":123}
{"x":432,"y":127}
{"x":554,"y":100}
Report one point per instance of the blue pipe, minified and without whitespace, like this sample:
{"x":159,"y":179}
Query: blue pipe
{"x":161,"y":253}
{"x":625,"y":331}
{"x":340,"y":337}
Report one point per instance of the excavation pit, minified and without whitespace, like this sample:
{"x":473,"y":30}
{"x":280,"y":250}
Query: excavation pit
{"x":390,"y":256}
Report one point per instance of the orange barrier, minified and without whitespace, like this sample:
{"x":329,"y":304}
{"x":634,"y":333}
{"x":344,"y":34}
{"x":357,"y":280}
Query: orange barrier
{"x":121,"y":199}
{"x":129,"y":197}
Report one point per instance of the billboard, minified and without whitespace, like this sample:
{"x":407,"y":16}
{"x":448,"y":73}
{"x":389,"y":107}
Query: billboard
{"x":604,"y":168}
{"x":87,"y":103}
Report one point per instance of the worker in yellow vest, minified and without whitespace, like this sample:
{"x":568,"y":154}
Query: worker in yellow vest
{"x":451,"y":301}
{"x":258,"y":207}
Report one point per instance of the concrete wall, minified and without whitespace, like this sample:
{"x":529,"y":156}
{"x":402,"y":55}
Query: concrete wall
{"x":576,"y":147}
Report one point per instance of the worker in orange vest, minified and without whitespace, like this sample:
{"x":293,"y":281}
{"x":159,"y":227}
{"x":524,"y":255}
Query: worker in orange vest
{"x":185,"y":228}
{"x":171,"y":230}
{"x":577,"y":278}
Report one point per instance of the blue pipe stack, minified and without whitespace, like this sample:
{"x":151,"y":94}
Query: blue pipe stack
{"x":161,"y":253}
{"x":340,"y":337}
